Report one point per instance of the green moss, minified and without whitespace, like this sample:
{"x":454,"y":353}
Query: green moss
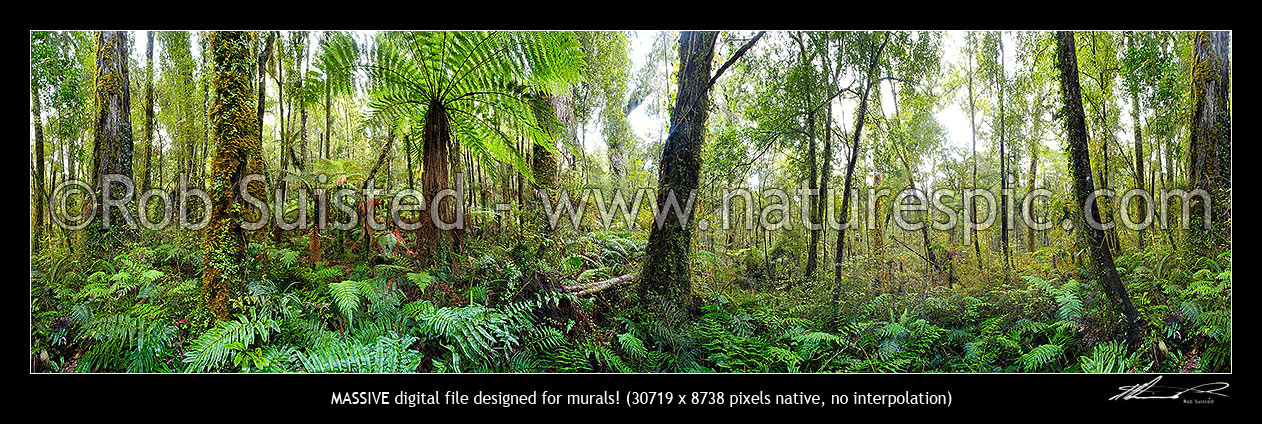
{"x":235,"y":131}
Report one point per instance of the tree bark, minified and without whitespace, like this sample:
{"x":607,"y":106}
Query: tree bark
{"x":436,"y":139}
{"x":112,"y":150}
{"x":237,"y":141}
{"x":40,"y":197}
{"x":1210,"y":167}
{"x":666,"y":277}
{"x":1080,"y":167}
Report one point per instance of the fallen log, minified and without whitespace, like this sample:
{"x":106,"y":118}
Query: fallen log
{"x":588,"y":289}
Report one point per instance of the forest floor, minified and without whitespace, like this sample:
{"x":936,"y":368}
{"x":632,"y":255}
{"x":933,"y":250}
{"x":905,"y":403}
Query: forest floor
{"x":500,"y":307}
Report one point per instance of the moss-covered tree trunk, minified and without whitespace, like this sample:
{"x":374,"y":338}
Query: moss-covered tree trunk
{"x":1210,"y":168}
{"x":235,"y":134}
{"x":112,"y":148}
{"x":1080,"y":168}
{"x":543,"y":164}
{"x":667,"y":273}
{"x":37,"y":224}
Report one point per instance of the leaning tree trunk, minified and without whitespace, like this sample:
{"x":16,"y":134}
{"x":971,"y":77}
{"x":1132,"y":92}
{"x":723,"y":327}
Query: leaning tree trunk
{"x":1210,"y":168}
{"x":112,"y":150}
{"x":873,"y":61}
{"x":237,"y":143}
{"x":1080,"y":168}
{"x":667,"y":276}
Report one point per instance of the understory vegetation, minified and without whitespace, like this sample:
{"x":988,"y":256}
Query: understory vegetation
{"x":139,"y":312}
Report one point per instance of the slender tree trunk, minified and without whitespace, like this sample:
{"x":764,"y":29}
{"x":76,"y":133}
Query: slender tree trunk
{"x":972,"y":125}
{"x":1034,"y":163}
{"x":1210,"y":167}
{"x":813,"y":201}
{"x":237,"y":142}
{"x":407,"y":145}
{"x":40,"y":197}
{"x":301,"y":48}
{"x":282,"y":151}
{"x":145,"y":182}
{"x":1139,"y":165}
{"x":667,"y":271}
{"x":812,"y":251}
{"x":1080,"y":168}
{"x":873,"y":61}
{"x":1003,"y":166}
{"x":257,"y":163}
{"x":825,"y":175}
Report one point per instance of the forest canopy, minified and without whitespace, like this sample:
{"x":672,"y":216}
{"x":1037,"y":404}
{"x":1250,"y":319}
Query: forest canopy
{"x":630,"y":201}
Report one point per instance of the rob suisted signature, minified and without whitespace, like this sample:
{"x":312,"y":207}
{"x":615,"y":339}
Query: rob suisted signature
{"x":1151,"y":390}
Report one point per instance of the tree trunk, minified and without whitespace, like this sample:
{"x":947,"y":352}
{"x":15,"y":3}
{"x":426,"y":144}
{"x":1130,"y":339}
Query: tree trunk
{"x":112,"y":150}
{"x":1080,"y":167}
{"x":436,"y":139}
{"x":972,"y":125}
{"x":1003,"y":167}
{"x":1210,"y":167}
{"x":873,"y":61}
{"x":1139,"y":165}
{"x":237,"y":143}
{"x":667,"y":275}
{"x":145,"y":181}
{"x":813,"y":201}
{"x":1034,"y":163}
{"x":282,"y":151}
{"x":825,"y":175}
{"x":301,"y":42}
{"x":812,"y":172}
{"x":40,"y":197}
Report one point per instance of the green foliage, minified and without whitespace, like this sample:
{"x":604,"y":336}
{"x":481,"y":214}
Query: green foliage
{"x":217,"y":346}
{"x":384,"y":355}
